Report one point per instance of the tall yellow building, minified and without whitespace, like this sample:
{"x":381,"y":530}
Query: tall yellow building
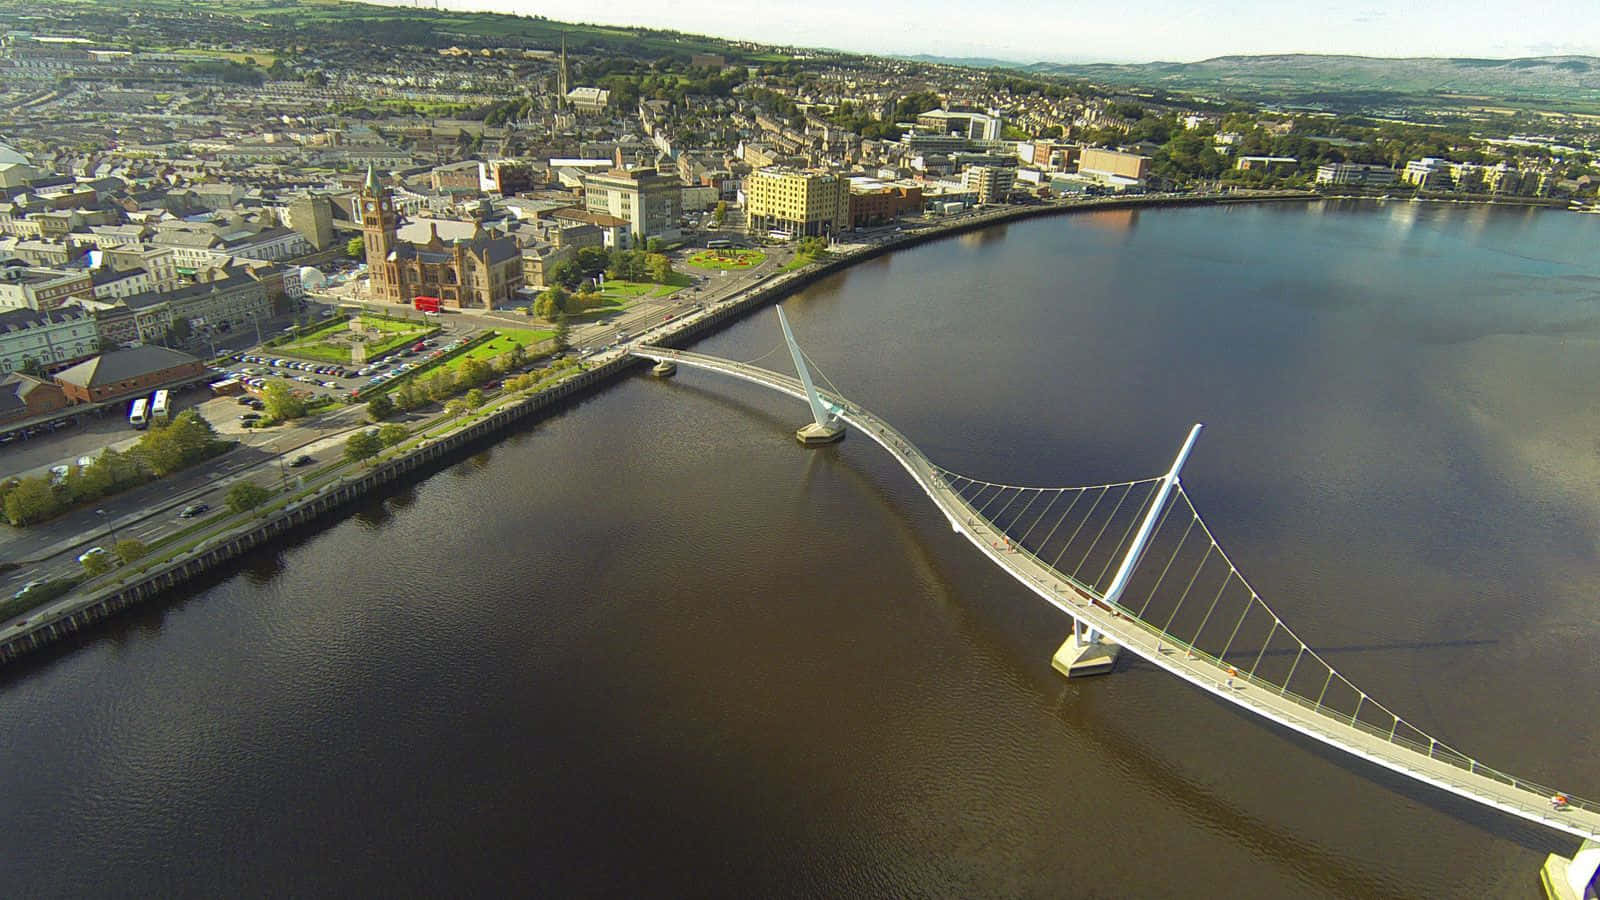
{"x":804,"y":204}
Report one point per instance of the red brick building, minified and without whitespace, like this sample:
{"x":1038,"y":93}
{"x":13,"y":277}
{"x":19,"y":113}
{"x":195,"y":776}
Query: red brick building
{"x":24,"y":397}
{"x":126,"y":373}
{"x":883,"y":204}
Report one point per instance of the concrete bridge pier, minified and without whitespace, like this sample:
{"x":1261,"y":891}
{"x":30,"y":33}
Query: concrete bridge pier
{"x":1085,"y":653}
{"x":1572,"y":879}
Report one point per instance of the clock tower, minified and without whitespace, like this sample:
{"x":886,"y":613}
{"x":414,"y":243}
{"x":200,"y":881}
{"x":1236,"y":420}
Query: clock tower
{"x":378,"y":225}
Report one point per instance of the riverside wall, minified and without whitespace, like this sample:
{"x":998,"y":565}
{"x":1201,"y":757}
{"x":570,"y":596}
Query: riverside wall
{"x":63,"y":619}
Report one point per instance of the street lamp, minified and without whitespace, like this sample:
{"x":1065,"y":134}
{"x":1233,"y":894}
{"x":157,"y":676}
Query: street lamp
{"x":111,"y":526}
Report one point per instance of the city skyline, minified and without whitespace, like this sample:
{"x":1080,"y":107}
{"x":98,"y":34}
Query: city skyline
{"x":1140,"y":31}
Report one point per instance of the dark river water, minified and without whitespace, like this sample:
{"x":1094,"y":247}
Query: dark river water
{"x":651,"y":646}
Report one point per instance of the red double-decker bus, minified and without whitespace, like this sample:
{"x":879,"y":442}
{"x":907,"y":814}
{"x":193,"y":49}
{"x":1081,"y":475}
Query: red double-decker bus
{"x":426,"y":304}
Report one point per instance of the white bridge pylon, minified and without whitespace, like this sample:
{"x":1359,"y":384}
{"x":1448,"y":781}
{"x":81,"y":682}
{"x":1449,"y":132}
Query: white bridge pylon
{"x":1134,"y":564}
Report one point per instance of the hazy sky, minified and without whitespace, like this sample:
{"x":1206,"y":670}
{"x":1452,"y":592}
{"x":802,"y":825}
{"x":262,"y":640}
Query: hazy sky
{"x":1112,"y":30}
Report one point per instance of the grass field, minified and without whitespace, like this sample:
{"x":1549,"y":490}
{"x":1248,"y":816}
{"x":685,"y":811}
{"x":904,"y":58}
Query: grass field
{"x":802,"y":259}
{"x":727,"y":259}
{"x":263,"y":58}
{"x":501,"y":343}
{"x":619,"y":295}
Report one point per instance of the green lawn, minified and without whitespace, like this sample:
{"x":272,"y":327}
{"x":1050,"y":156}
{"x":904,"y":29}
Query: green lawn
{"x":802,"y":259}
{"x":727,"y":259}
{"x":501,"y":343}
{"x":619,"y":295}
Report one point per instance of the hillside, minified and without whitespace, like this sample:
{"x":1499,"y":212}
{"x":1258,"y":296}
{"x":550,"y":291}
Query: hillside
{"x":1567,"y":83}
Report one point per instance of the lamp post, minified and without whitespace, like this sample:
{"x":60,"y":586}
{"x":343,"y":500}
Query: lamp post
{"x":111,"y":527}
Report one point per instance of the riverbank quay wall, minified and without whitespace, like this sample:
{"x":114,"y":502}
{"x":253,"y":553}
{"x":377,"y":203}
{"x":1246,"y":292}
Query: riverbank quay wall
{"x":72,"y":617}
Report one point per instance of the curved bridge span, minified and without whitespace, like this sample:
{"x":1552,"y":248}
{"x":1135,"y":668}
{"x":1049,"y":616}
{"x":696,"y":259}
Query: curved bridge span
{"x":1369,"y":731}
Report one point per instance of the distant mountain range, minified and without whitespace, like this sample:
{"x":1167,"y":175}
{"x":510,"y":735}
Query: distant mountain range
{"x":1570,"y":83}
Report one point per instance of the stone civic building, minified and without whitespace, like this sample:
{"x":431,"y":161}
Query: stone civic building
{"x":480,"y":271}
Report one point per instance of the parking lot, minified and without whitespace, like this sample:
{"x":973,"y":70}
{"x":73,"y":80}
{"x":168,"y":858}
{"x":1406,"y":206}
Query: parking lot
{"x":319,"y":379}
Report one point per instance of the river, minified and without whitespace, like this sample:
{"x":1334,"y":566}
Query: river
{"x":652,"y":646}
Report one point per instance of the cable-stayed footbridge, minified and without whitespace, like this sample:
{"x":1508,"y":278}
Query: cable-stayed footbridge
{"x":1137,"y":568}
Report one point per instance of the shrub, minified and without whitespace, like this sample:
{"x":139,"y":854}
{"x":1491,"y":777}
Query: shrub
{"x":246,"y":495}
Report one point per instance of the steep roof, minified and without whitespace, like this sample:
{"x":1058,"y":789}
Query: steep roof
{"x":123,"y":365}
{"x":14,"y":391}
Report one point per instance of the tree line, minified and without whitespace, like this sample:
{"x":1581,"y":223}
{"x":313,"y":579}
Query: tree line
{"x":163,"y":450}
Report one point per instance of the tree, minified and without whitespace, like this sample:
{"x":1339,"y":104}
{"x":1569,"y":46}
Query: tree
{"x":380,"y":408}
{"x":391,"y":434}
{"x":441,"y":385}
{"x":567,"y":273}
{"x":653,"y":245}
{"x":97,"y":563}
{"x":282,"y":403}
{"x":31,"y":500}
{"x":552,"y":302}
{"x":718,"y":214}
{"x":355,"y":248}
{"x":660,"y":268}
{"x":32,"y":366}
{"x":457,"y":407}
{"x":516,"y":356}
{"x":129,"y":549}
{"x":563,"y":333}
{"x":180,"y":330}
{"x":409,"y":395}
{"x":474,"y":398}
{"x":475,"y":372}
{"x":246,"y":495}
{"x":362,"y":445}
{"x":593,"y":260}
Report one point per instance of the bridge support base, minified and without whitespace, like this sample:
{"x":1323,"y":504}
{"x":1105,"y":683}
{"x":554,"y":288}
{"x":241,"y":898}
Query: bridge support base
{"x":664,"y":368}
{"x":1077,"y":657}
{"x":815,"y":435}
{"x":1558,"y":874}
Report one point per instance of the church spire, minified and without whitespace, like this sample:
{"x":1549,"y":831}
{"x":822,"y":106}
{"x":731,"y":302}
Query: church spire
{"x":563,"y":84}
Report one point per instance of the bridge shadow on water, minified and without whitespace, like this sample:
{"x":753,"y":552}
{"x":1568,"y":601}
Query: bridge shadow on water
{"x":1316,"y":864}
{"x":1347,"y":649}
{"x":1500,"y":825}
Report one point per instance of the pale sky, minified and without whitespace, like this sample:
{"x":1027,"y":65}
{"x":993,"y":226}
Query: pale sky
{"x":1111,"y":30}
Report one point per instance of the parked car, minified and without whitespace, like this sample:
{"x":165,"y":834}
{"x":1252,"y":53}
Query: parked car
{"x":193,"y":509}
{"x":250,"y":417}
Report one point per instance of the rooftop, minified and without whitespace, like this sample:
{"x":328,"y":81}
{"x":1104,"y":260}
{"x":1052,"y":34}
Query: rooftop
{"x":123,"y":365}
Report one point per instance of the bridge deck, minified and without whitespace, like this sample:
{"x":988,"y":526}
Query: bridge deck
{"x":1473,"y":782}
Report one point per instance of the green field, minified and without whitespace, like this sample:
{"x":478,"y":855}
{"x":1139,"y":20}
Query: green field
{"x":331,"y":344}
{"x":802,"y":259}
{"x":500,"y":344}
{"x":727,"y":259}
{"x":619,"y":295}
